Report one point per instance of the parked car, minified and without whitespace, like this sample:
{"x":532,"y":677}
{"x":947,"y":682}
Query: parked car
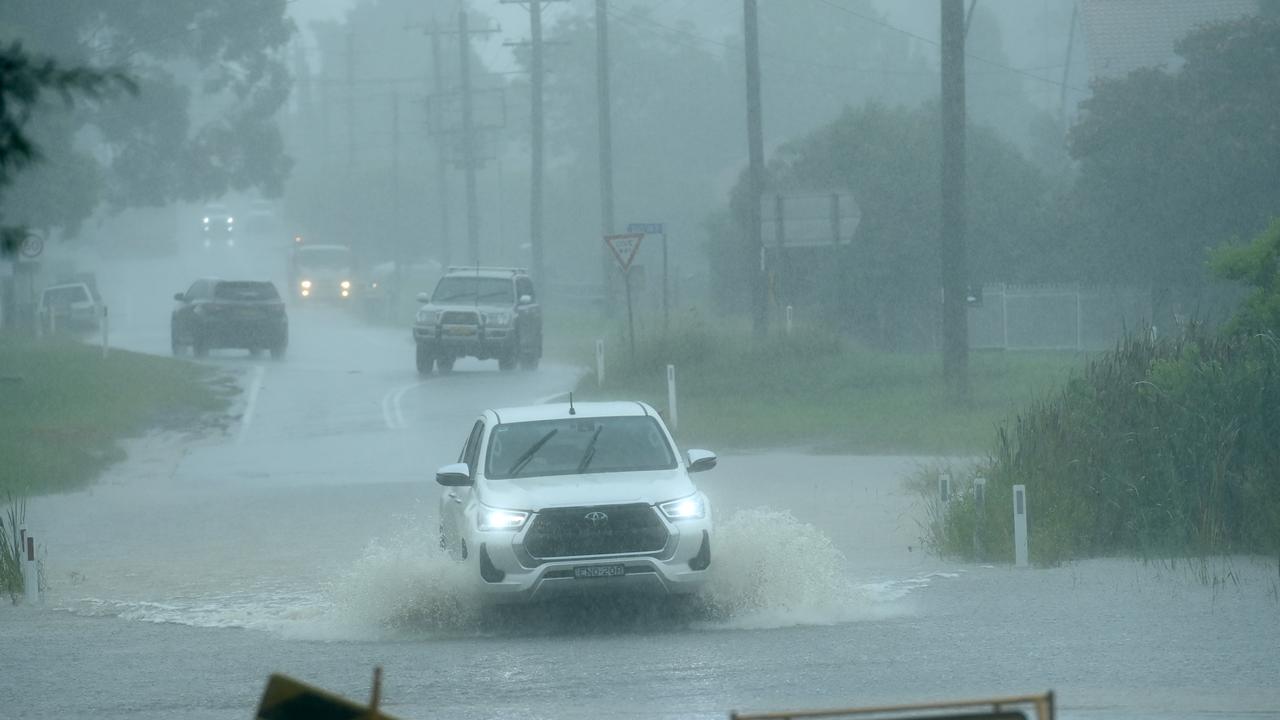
{"x":214,"y":313}
{"x":70,"y":306}
{"x":560,"y":498}
{"x":480,"y":312}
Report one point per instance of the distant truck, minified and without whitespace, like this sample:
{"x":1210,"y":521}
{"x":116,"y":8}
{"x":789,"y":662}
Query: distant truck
{"x":322,"y":272}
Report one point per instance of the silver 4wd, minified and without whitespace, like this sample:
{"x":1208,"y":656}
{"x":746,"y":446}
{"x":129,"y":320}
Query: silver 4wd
{"x":480,"y":312}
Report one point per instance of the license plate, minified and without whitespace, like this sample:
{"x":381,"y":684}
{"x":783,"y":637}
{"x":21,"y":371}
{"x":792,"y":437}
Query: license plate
{"x":598,"y":571}
{"x":460,"y":331}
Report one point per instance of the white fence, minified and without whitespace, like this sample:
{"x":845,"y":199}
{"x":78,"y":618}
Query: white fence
{"x":1056,"y":317}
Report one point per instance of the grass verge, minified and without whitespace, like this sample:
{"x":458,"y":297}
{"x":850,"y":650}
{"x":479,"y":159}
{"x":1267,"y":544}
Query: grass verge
{"x":811,"y":390}
{"x":64,"y":408}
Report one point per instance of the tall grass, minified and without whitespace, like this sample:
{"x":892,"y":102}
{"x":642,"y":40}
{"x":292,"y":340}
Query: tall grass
{"x":1157,"y":449}
{"x":11,"y":581}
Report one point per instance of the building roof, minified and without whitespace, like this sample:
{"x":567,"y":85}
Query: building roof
{"x":1124,"y":35}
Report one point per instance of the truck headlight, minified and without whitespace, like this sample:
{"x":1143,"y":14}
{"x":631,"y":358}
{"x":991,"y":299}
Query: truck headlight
{"x":498,"y":319}
{"x":690,"y":508}
{"x":306,"y":284}
{"x":345,"y":284}
{"x":495,"y":519}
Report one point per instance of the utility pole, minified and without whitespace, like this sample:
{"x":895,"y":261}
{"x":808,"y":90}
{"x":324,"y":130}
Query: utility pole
{"x":536,"y":130}
{"x":955,"y":329}
{"x":468,"y":140}
{"x":351,"y":102}
{"x":442,"y":170}
{"x":755,"y":174}
{"x":398,"y":232}
{"x":604,"y":123}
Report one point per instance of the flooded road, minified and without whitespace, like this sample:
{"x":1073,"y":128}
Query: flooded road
{"x":300,"y":538}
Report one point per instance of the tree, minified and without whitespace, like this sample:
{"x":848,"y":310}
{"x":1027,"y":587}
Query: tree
{"x":210,"y":79}
{"x":1257,"y":265}
{"x":24,"y":80}
{"x":884,"y":286}
{"x":1172,"y":163}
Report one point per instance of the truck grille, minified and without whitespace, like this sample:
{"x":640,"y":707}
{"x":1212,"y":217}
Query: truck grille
{"x":454,"y":317}
{"x":580,"y":531}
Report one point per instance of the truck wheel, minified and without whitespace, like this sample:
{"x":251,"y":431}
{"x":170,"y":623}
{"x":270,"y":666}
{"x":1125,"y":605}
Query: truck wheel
{"x":423,"y":359}
{"x":444,"y":363}
{"x":529,"y":362}
{"x":508,"y":362}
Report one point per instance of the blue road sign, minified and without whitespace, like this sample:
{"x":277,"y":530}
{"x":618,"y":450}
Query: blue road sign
{"x":646,"y":228}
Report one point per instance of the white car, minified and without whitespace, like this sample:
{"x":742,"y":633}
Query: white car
{"x":564,"y":498}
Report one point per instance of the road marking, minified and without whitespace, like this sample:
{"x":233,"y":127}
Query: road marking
{"x":393,"y":410}
{"x":251,"y":402}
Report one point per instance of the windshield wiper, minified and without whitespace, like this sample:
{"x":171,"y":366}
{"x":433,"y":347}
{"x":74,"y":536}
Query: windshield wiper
{"x":524,"y":459}
{"x":590,"y":452}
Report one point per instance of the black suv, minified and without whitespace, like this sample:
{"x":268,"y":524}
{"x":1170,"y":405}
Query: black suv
{"x":229,"y":314}
{"x":479,"y":312}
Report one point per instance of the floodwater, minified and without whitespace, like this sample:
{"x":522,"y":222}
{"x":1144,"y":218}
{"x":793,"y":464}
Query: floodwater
{"x":300,"y":538}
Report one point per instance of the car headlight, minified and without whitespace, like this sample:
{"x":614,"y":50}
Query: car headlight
{"x":690,"y":508}
{"x":230,"y":220}
{"x":499,"y":318}
{"x":306,"y":284}
{"x":345,"y":284}
{"x":206,"y":221}
{"x":494,"y":519}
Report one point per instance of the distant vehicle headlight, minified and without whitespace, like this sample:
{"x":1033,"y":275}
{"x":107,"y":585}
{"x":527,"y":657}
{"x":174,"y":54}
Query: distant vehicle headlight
{"x":690,"y":508}
{"x":306,"y":284}
{"x":345,"y":284}
{"x":499,"y":318}
{"x":494,"y":519}
{"x":206,"y":221}
{"x":230,"y":220}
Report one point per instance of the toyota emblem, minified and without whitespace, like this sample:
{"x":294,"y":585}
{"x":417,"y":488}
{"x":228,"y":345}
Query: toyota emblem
{"x":596,"y":519}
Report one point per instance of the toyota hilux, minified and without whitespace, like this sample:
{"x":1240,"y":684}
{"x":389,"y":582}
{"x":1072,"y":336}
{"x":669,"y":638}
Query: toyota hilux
{"x":552,"y":499}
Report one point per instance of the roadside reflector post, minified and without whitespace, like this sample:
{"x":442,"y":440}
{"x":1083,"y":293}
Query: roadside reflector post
{"x":599,"y":363}
{"x":789,"y":316}
{"x":671,"y":396}
{"x":30,"y":572}
{"x":1020,"y":525}
{"x":980,"y":511}
{"x":944,"y":487}
{"x":106,"y":330}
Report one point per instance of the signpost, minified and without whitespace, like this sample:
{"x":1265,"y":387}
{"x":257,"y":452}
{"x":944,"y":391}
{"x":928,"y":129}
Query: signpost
{"x":624,"y":249}
{"x":658,"y":229}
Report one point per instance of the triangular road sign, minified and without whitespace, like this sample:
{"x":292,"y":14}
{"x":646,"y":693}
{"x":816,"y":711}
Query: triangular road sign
{"x":624,"y":247}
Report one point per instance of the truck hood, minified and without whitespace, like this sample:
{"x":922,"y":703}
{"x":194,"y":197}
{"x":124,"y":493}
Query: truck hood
{"x":470,"y":306}
{"x":614,"y":488}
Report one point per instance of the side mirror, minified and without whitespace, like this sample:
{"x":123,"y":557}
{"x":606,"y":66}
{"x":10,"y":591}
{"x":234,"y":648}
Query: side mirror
{"x":700,"y":460}
{"x":455,"y":475}
{"x":424,"y":298}
{"x":180,"y":297}
{"x":526,"y":300}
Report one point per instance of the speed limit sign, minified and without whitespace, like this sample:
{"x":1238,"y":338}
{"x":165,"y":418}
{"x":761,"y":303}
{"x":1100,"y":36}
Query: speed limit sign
{"x":32,"y":246}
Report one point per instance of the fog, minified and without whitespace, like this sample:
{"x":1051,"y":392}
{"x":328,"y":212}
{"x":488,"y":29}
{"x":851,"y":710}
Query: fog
{"x":850,"y":331}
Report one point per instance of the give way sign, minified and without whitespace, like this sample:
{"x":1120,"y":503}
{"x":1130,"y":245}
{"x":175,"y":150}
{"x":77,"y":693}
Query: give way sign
{"x":624,"y":247}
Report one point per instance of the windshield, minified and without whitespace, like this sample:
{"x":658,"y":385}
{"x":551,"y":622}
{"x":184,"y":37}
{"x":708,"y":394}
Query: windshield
{"x":65,"y":295}
{"x":480,"y":290}
{"x":577,"y":446}
{"x":324,"y":258}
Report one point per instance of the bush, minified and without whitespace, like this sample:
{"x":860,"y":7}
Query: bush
{"x":1157,"y":448}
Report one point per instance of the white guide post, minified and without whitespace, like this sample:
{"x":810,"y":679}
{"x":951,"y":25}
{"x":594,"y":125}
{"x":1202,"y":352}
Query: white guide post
{"x":980,"y":493}
{"x":30,"y":571}
{"x":106,"y":331}
{"x":789,"y":316}
{"x":671,"y":396}
{"x":599,"y":363}
{"x":944,"y":487}
{"x":1020,"y":525}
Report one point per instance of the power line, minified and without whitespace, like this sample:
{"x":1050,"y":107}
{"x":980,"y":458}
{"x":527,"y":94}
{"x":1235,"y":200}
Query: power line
{"x":929,"y":41}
